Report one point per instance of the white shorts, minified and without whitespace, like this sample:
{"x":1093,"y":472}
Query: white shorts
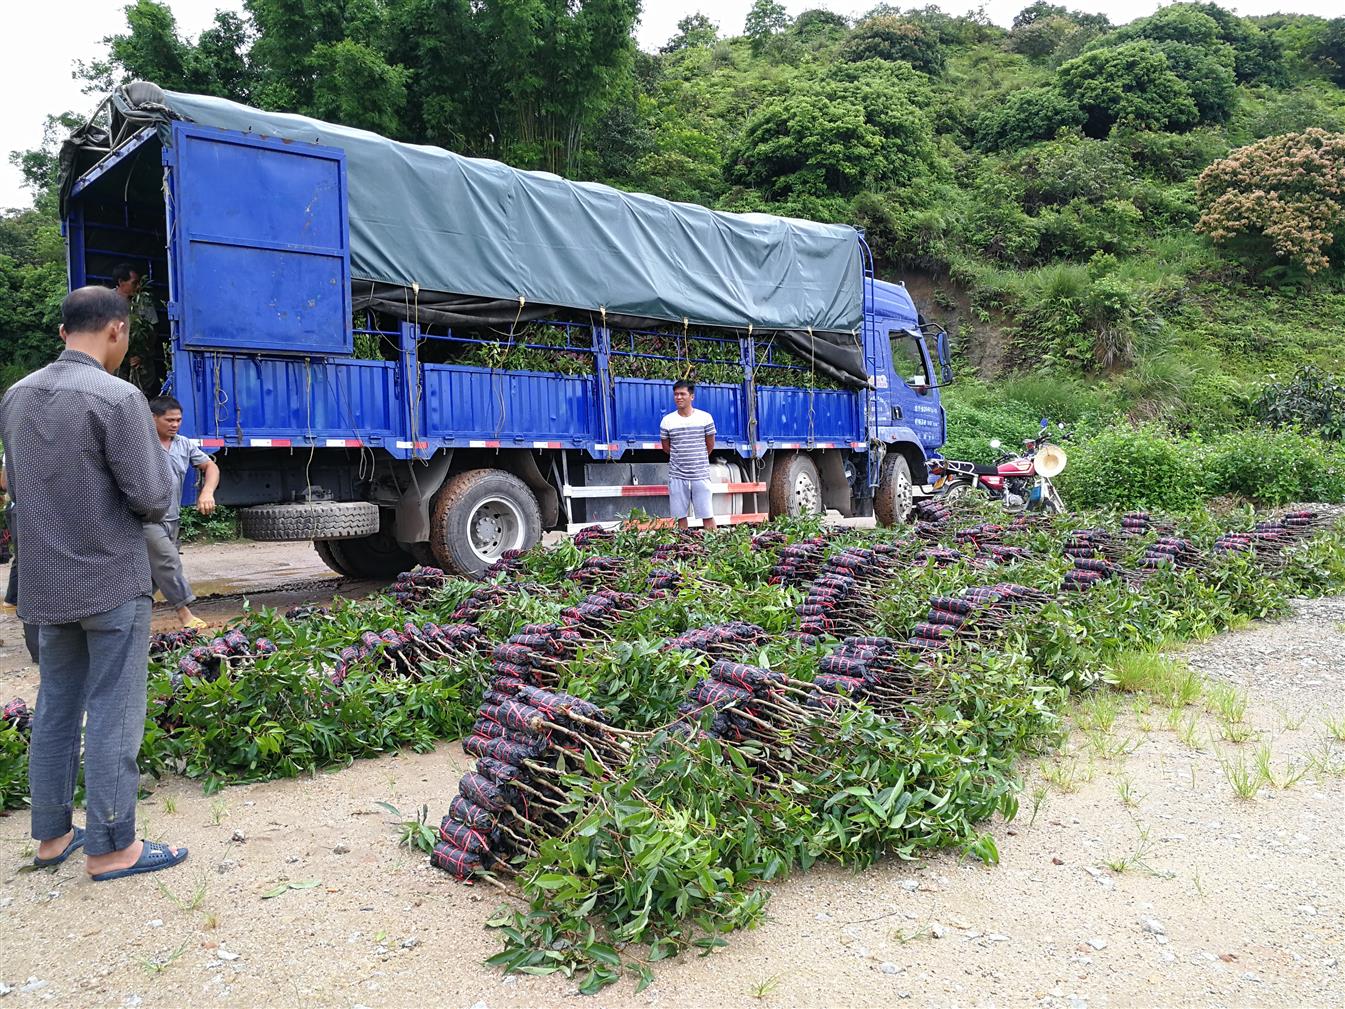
{"x":683,"y":494}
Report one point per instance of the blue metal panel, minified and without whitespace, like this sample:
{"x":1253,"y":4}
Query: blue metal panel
{"x":262,"y":252}
{"x":480,"y":404}
{"x":290,"y":398}
{"x":792,"y":414}
{"x":642,"y":403}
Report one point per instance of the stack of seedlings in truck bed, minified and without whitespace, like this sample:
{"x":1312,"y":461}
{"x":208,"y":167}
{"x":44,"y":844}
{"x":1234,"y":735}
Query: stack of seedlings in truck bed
{"x":841,"y":598}
{"x":404,"y":654}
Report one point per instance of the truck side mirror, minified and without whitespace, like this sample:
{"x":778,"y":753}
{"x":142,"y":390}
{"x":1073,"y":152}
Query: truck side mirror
{"x":945,"y":364}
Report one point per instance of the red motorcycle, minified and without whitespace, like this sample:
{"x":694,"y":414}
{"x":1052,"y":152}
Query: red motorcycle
{"x":1021,"y":482}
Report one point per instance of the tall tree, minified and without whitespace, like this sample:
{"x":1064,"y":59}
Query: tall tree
{"x":765,"y":20}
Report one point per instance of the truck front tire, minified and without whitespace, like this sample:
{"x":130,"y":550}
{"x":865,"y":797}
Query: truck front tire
{"x":796,"y":487}
{"x":896,"y":496}
{"x":312,"y":520}
{"x":478,"y":515}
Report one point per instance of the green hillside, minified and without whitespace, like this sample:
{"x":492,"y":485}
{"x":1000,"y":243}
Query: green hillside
{"x":1143,"y":221}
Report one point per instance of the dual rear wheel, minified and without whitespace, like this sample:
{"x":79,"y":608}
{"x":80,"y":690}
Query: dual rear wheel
{"x":474,"y":518}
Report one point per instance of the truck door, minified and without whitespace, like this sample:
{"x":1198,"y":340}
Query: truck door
{"x":915,"y":393}
{"x":260,"y":257}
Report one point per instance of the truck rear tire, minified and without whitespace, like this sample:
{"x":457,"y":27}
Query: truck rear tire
{"x":313,"y":520}
{"x":478,"y":515}
{"x":796,"y":487}
{"x":331,"y":556}
{"x":895,"y":498}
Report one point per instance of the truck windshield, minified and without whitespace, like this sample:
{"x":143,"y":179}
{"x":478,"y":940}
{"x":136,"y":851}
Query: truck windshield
{"x":908,"y":361}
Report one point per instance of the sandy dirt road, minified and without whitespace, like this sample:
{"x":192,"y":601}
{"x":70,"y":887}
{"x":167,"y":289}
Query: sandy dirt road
{"x":1140,"y":880}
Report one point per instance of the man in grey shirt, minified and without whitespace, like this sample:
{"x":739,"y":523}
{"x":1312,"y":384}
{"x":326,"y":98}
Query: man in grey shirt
{"x":688,"y":437}
{"x":165,"y":563}
{"x":86,"y":470}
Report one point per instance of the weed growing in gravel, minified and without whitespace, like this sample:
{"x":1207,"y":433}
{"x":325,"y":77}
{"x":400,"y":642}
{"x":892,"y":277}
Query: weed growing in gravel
{"x":901,"y":936}
{"x":763,"y":988}
{"x":1098,"y":711}
{"x":1236,"y":732}
{"x":414,"y":832}
{"x":1293,"y":772}
{"x":210,"y":921}
{"x":1327,"y":760}
{"x":1125,"y":791}
{"x":1291,"y":721}
{"x":1199,"y":883}
{"x":219,"y":809}
{"x":1226,"y":701}
{"x":157,"y":965}
{"x":1335,"y":726}
{"x":1189,"y":733}
{"x":169,"y":805}
{"x":1144,"y":672}
{"x":1108,"y":747}
{"x":190,"y":903}
{"x":1039,"y":794}
{"x":1135,"y":859}
{"x":1066,"y":774}
{"x":1243,"y":777}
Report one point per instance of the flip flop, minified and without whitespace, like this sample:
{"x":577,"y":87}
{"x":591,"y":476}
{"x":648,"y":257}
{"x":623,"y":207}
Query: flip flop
{"x":76,"y":841}
{"x":153,"y":857}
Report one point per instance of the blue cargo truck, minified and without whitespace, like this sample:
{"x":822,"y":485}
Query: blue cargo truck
{"x":409,"y":356}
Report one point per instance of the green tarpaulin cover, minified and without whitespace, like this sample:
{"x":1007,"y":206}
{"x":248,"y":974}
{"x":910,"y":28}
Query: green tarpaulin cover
{"x":430,"y":218}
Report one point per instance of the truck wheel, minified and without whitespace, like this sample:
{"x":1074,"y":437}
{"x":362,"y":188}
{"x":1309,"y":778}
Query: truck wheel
{"x":796,"y":487}
{"x":480,"y":514}
{"x":895,"y":498}
{"x":320,"y":520}
{"x":330,"y":552}
{"x":376,"y":556}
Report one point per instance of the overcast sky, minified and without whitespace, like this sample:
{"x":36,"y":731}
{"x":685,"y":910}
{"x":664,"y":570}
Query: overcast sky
{"x":46,"y":38}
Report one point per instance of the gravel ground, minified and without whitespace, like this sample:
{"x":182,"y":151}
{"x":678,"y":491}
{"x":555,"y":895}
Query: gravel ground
{"x":1129,"y":879}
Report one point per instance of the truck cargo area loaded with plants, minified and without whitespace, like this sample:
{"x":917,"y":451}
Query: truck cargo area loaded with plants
{"x":407,"y":355}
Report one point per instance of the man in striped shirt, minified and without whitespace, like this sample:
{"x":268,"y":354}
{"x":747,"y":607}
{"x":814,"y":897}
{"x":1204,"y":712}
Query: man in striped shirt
{"x":688,"y":437}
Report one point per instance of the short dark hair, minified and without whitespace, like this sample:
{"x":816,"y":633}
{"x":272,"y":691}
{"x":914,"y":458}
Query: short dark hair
{"x":685,"y":383}
{"x":160,"y":405}
{"x":90,"y":309}
{"x":124,"y":271}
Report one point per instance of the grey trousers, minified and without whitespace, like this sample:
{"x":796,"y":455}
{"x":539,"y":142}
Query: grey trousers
{"x":165,"y":563}
{"x":98,"y":665}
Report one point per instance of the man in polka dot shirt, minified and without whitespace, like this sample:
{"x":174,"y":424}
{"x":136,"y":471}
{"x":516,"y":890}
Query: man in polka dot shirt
{"x":85,"y":468}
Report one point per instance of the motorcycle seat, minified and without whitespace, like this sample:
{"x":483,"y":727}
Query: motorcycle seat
{"x":980,"y":469}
